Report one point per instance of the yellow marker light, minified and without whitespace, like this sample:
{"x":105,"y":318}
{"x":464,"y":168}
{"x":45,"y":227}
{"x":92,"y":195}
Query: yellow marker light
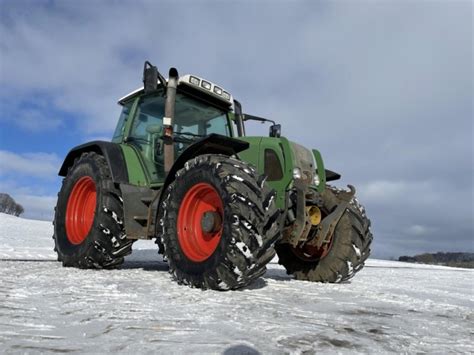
{"x":314,"y":215}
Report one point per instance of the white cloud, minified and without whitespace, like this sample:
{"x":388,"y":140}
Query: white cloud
{"x":383,"y":190}
{"x":35,"y":120}
{"x":412,"y":191}
{"x":42,"y":165}
{"x":97,"y":138}
{"x":418,"y":230}
{"x":35,"y":199}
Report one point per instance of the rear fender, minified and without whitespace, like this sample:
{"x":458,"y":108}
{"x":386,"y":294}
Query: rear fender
{"x":110,"y":151}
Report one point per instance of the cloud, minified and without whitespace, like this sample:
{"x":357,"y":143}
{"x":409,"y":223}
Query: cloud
{"x":417,"y":230}
{"x":412,"y":216}
{"x":31,"y":179}
{"x":37,"y":207}
{"x":36,"y":121}
{"x":34,"y":114}
{"x":383,"y":190}
{"x":386,"y":192}
{"x":41,"y":165}
{"x":37,"y":200}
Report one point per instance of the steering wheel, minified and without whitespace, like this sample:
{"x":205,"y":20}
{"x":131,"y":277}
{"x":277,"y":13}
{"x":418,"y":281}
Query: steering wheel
{"x":188,"y":134}
{"x":139,"y":139}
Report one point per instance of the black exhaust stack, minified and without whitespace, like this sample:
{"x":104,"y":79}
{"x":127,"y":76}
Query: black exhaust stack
{"x":168,"y":120}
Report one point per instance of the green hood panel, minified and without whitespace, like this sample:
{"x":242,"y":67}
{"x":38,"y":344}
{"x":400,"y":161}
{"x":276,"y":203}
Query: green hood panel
{"x":291,"y":155}
{"x":251,"y":155}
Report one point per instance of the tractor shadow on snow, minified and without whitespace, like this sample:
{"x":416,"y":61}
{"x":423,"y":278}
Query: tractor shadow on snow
{"x":276,"y":274}
{"x":150,"y":260}
{"x":145,"y":259}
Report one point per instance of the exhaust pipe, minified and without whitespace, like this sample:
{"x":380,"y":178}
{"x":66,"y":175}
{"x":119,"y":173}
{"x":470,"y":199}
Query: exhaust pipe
{"x":168,"y":119}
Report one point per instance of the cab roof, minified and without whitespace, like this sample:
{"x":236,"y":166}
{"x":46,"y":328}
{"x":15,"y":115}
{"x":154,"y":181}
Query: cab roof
{"x":194,"y":83}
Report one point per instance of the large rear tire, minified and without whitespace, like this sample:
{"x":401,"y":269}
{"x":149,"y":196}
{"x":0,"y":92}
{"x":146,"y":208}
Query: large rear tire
{"x":218,"y":224}
{"x":88,"y":221}
{"x":349,"y":247}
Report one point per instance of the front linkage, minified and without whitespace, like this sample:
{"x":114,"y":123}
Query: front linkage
{"x":328,"y":225}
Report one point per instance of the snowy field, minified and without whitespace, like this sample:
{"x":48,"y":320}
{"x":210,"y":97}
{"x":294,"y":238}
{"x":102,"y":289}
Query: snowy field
{"x":387,"y":307}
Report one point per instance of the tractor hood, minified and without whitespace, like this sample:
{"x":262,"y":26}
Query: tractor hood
{"x":298,"y":162}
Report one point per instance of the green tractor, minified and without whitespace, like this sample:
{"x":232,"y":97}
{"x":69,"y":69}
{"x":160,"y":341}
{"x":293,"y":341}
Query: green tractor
{"x":180,"y":169}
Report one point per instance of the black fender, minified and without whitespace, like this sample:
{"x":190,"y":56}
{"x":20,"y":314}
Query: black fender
{"x":211,"y":144}
{"x":110,"y":151}
{"x":332,"y":175}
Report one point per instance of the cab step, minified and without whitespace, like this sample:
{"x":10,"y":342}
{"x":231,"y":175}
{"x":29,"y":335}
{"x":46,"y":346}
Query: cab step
{"x":139,"y":211}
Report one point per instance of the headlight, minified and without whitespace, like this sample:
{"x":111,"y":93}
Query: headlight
{"x":217,"y":90}
{"x":206,"y":85}
{"x":193,"y":80}
{"x":226,"y":95}
{"x":316,"y":175}
{"x":297,"y":173}
{"x":316,"y":180}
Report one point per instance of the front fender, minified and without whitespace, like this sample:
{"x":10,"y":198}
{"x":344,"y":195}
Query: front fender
{"x":212,"y":144}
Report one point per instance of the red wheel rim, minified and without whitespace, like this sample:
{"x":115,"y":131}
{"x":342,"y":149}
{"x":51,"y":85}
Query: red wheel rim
{"x":197,"y":244}
{"x":80,"y":210}
{"x":312,"y":253}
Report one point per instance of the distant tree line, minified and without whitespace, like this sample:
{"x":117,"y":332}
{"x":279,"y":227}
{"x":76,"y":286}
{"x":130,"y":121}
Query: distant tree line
{"x":8,"y":205}
{"x":459,"y":259}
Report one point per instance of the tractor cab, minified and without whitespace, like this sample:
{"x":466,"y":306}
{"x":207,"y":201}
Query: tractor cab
{"x":197,"y":109}
{"x":201,"y":108}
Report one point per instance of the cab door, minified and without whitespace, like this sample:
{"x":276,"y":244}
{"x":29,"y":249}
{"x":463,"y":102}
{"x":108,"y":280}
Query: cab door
{"x":144,"y":136}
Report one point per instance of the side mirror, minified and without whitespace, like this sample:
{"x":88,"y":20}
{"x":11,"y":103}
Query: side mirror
{"x":275,"y":130}
{"x":150,"y":77}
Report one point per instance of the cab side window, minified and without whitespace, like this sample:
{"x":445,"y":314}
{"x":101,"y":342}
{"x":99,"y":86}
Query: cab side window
{"x":149,"y":118}
{"x":145,"y":135}
{"x":118,"y":134}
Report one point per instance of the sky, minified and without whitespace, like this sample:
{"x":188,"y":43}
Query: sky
{"x":384,"y":89}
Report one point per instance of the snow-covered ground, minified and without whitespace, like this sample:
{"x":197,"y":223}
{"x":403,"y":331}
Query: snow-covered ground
{"x":387,"y":307}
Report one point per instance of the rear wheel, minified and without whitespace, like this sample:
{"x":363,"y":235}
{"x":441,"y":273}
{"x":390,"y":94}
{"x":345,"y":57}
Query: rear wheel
{"x":218,"y":223}
{"x":343,"y":257}
{"x":88,"y":221}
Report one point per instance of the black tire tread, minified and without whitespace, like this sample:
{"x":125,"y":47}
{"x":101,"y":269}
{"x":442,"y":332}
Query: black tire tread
{"x":350,"y":249}
{"x":254,"y":231}
{"x":110,"y":244}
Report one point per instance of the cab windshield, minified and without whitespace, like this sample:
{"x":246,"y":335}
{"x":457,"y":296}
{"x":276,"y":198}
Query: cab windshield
{"x":195,"y":117}
{"x":193,"y":120}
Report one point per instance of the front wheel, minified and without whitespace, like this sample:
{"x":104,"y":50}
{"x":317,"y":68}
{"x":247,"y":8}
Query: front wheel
{"x":344,"y":256}
{"x":88,"y":221}
{"x":218,"y":224}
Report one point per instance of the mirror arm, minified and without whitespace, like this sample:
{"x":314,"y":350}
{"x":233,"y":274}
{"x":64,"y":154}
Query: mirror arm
{"x":246,"y":117}
{"x":150,"y":77}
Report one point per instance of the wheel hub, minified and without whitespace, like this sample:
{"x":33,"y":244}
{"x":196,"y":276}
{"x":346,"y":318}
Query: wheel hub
{"x":199,"y":222}
{"x":310,"y":253}
{"x":211,"y":222}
